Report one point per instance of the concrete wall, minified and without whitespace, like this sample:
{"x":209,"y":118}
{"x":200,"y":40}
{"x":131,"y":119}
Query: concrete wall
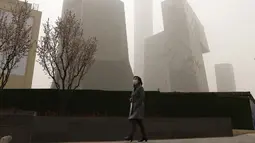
{"x":25,"y":128}
{"x":225,"y":78}
{"x":143,"y":28}
{"x":61,"y":129}
{"x":253,"y":112}
{"x":18,"y":126}
{"x":22,"y":76}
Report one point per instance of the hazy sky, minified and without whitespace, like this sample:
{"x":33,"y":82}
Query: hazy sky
{"x":229,"y":26}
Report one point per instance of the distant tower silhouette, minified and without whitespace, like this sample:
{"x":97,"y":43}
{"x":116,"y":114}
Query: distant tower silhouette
{"x":143,"y":28}
{"x":105,"y":19}
{"x":174,"y":57}
{"x":74,"y":5}
{"x":225,"y":77}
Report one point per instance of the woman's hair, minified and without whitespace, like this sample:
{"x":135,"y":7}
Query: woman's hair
{"x":139,"y":79}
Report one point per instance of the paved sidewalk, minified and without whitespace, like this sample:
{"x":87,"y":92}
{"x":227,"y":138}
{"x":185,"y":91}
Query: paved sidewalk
{"x":237,"y":139}
{"x":248,"y":138}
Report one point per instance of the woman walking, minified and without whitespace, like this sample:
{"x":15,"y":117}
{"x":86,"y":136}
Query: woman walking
{"x":136,"y":113}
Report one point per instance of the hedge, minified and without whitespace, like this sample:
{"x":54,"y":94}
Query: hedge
{"x":115,"y":103}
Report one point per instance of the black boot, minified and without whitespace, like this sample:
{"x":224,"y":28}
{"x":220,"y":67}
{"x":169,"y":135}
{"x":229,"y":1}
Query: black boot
{"x":128,"y":138}
{"x":143,"y":139}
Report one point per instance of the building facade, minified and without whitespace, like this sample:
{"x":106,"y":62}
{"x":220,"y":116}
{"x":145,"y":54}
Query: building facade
{"x":73,"y":5}
{"x":106,"y":21}
{"x":143,"y":28}
{"x":156,"y":68}
{"x":225,"y":78}
{"x":22,"y":75}
{"x":177,"y":51}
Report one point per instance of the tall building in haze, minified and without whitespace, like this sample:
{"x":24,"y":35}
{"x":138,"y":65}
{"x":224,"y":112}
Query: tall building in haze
{"x":225,"y":77}
{"x":73,"y":5}
{"x":22,"y":75}
{"x":105,"y":19}
{"x":174,"y":57}
{"x":143,"y":28}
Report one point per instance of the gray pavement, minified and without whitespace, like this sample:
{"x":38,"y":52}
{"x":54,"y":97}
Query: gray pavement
{"x":248,"y":138}
{"x":237,"y":139}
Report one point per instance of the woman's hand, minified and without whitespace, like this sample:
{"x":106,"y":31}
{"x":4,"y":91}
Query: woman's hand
{"x":130,"y":99}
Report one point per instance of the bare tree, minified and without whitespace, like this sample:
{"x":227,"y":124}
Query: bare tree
{"x":15,"y":38}
{"x":64,"y":53}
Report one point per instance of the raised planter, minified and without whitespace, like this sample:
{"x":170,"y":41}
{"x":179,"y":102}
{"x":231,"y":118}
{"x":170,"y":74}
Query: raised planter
{"x":18,"y":125}
{"x":65,"y":129}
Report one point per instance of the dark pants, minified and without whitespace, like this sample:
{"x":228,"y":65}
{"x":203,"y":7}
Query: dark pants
{"x":140,"y":124}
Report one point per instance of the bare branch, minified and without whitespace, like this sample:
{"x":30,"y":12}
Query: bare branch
{"x":64,"y":53}
{"x":15,"y":38}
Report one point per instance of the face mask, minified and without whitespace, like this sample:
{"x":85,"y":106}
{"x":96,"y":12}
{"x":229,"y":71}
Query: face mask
{"x":135,"y":81}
